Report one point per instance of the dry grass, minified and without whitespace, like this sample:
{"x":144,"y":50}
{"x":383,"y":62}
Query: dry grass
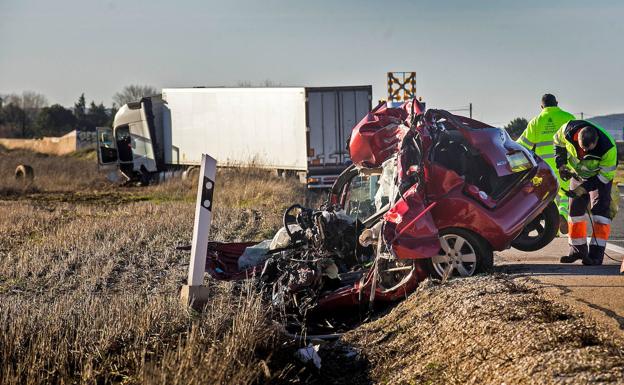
{"x":52,"y":173}
{"x":89,"y":280}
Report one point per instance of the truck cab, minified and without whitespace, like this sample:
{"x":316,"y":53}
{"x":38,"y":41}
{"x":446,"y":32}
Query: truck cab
{"x":129,"y":145}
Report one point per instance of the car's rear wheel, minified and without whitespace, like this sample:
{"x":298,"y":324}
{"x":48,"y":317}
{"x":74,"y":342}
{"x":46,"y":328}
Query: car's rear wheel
{"x":540,"y":231}
{"x":462,"y":253}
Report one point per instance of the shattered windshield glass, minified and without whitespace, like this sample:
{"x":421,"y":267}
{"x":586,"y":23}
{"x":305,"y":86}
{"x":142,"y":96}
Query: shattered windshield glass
{"x":370,"y":193}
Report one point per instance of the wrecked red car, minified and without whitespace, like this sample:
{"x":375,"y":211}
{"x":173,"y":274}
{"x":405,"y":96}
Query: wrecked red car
{"x":429,"y":193}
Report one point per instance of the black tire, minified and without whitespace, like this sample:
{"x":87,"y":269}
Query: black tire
{"x":191,"y":174}
{"x":540,"y":231}
{"x":484,"y":257}
{"x":24,"y":173}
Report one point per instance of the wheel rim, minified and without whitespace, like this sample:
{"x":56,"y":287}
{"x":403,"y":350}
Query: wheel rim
{"x":456,"y":251}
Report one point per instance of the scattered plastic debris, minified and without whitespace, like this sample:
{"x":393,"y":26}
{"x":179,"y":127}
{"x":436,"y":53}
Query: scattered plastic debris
{"x":309,"y":354}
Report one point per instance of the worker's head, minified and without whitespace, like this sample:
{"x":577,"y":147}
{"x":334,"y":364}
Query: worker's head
{"x":549,"y":100}
{"x":588,"y":138}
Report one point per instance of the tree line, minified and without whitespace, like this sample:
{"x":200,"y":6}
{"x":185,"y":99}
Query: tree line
{"x":28,"y":115}
{"x":516,"y":127}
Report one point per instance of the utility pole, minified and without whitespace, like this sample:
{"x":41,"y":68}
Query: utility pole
{"x":470,"y":107}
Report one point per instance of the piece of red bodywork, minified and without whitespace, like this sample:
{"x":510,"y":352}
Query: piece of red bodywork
{"x":376,"y":137}
{"x":222,"y":261}
{"x":410,"y":228}
{"x":359,"y":293}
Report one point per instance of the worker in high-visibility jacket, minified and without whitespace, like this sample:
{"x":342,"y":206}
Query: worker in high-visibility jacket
{"x":587,"y":155}
{"x":539,"y":136}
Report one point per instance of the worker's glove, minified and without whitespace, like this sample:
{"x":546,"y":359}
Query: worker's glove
{"x":565,"y":173}
{"x":576,"y":192}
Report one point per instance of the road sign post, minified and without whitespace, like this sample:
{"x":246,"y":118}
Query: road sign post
{"x":401,"y":86}
{"x":194,"y":293}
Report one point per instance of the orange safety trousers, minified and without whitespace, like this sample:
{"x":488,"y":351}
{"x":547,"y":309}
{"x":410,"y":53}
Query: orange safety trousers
{"x":598,"y":218}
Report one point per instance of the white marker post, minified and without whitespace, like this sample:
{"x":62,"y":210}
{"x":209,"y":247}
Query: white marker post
{"x":194,"y":293}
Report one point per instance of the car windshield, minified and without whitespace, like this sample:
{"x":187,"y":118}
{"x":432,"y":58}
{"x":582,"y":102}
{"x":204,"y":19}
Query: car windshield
{"x":370,"y":191}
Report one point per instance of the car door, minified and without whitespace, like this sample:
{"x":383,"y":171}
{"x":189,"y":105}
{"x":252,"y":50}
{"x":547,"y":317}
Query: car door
{"x":410,"y":228}
{"x":108,"y":157}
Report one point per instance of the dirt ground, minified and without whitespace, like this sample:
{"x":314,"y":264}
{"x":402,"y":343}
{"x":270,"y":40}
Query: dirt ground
{"x":90,"y":277}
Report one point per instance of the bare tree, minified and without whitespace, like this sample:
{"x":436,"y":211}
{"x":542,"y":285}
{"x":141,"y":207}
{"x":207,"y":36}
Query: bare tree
{"x":133,"y":93}
{"x":27,"y":101}
{"x":270,"y":83}
{"x":244,"y":84}
{"x":30,"y":103}
{"x":264,"y":83}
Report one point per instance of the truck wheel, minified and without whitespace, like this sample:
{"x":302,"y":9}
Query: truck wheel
{"x":191,"y":174}
{"x":466,"y":252}
{"x":24,"y":173}
{"x":540,"y":231}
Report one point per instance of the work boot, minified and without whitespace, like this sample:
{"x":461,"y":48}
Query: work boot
{"x":569,"y":258}
{"x":563,"y":224}
{"x":575,"y":253}
{"x":595,"y":256}
{"x":591,"y":262}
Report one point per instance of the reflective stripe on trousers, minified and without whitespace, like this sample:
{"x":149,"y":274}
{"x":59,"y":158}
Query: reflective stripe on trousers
{"x":577,"y":230}
{"x":601,"y":230}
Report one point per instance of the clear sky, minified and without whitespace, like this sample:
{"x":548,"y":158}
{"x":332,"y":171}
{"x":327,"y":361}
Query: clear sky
{"x":499,"y":55}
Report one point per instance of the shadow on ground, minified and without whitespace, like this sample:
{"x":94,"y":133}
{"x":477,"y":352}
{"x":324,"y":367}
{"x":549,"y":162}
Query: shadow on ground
{"x":558,"y":269}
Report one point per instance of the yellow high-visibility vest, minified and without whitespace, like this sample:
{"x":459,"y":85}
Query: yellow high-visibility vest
{"x":541,"y":131}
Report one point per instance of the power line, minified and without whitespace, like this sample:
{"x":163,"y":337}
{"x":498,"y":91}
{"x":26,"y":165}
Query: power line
{"x":460,"y":109}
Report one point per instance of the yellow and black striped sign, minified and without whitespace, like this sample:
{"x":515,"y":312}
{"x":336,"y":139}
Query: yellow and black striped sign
{"x":401,"y":86}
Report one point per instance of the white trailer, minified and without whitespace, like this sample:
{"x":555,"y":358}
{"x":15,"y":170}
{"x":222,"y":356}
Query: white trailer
{"x":290,"y":129}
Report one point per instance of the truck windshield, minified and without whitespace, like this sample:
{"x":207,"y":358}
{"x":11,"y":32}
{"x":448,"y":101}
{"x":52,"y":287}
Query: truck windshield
{"x":124,"y":145}
{"x":141,"y":143}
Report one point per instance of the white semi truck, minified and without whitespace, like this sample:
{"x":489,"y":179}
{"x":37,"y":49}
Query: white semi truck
{"x":301,"y":130}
